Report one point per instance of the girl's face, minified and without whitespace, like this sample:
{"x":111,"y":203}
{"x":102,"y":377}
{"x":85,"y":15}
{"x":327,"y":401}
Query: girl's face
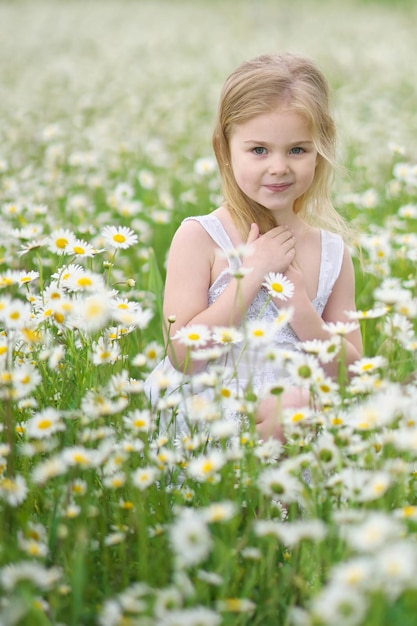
{"x":273,"y":159}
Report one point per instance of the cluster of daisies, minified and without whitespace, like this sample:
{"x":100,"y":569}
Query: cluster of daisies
{"x":106,"y":518}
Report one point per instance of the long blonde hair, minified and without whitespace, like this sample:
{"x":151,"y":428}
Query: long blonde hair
{"x":259,"y":86}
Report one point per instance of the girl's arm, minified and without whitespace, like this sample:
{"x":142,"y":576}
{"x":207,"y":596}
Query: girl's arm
{"x":308,"y":324}
{"x":188,"y":280}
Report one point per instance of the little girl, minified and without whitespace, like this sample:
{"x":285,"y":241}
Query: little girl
{"x":274,"y":141}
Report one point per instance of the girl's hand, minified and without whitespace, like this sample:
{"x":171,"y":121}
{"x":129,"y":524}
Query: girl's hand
{"x":272,"y":252}
{"x":295,"y":275}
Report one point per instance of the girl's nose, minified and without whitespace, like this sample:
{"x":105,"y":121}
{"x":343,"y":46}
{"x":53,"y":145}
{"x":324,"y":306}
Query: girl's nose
{"x":278,"y":165}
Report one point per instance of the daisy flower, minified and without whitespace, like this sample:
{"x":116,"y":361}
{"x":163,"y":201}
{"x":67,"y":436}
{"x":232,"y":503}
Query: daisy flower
{"x":379,"y":311}
{"x":259,"y":332}
{"x":82,"y":249}
{"x":105,"y":351}
{"x":119,"y":236}
{"x":190,"y":538}
{"x":236,"y":605}
{"x":15,"y":314}
{"x":146,"y":179}
{"x":92,"y":313}
{"x":284,"y":318}
{"x":194,"y":336}
{"x":25,"y":379}
{"x":204,"y":166}
{"x":278,"y":286}
{"x":23,"y":278}
{"x":60,"y":241}
{"x":367,"y":365}
{"x":204,"y":467}
{"x":340,"y":328}
{"x":85,"y":281}
{"x":138,"y":420}
{"x":144,"y":477}
{"x":13,"y":490}
{"x":226,"y":335}
{"x":304,"y":369}
{"x":408,"y":211}
{"x":220,"y":511}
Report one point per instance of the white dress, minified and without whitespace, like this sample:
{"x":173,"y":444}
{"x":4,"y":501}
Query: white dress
{"x":252,"y":366}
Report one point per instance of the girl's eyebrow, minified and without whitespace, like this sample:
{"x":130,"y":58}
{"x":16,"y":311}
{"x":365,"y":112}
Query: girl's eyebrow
{"x":267,"y":143}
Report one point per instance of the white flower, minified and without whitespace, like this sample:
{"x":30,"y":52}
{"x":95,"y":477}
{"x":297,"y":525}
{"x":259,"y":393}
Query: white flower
{"x":105,"y":351}
{"x":219,"y":511}
{"x":259,"y":332}
{"x":44,"y":424}
{"x":276,"y":481}
{"x":119,"y":236}
{"x":146,"y":179}
{"x":340,"y":328}
{"x":338,"y":604}
{"x":368,"y":364}
{"x":278,"y":286}
{"x":205,"y":165}
{"x":226,"y":335}
{"x":144,"y":477}
{"x":190,"y":538}
{"x":13,"y":490}
{"x":377,"y":530}
{"x":194,"y":336}
{"x":204,"y":467}
{"x":60,"y":241}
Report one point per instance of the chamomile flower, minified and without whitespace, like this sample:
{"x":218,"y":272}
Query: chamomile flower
{"x":278,"y":482}
{"x":11,"y":576}
{"x":226,"y":335}
{"x":203,"y":468}
{"x":236,"y":605}
{"x":340,"y":328}
{"x":204,"y":166}
{"x":146,"y":179}
{"x":92,"y":313}
{"x":24,"y":278}
{"x":190,"y":538}
{"x":144,"y":477}
{"x":105,"y":351}
{"x":278,"y":286}
{"x":81,"y":249}
{"x":219,"y":511}
{"x":138,"y":420}
{"x":193,"y":336}
{"x":259,"y":332}
{"x":284,"y":318}
{"x":368,"y":365}
{"x":86,"y":281}
{"x":44,"y":424}
{"x":304,"y":369}
{"x":60,"y":241}
{"x":15,"y":314}
{"x":119,"y":237}
{"x":13,"y":490}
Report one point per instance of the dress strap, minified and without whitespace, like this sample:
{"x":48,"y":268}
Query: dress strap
{"x":332,"y":248}
{"x":215,"y":229}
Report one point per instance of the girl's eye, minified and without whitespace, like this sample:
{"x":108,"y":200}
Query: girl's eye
{"x":259,"y":150}
{"x":297,"y":150}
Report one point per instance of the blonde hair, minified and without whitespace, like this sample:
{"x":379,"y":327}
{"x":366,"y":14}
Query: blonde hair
{"x":259,"y":86}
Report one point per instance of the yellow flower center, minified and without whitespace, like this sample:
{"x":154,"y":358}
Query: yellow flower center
{"x":85,"y":281}
{"x":119,"y":238}
{"x":61,"y":242}
{"x":208,"y":467}
{"x":194,"y":336}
